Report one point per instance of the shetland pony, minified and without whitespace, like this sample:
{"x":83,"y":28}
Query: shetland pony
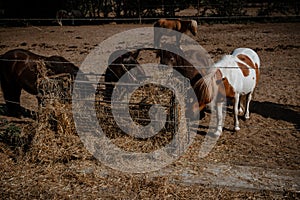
{"x":178,"y":26}
{"x":120,"y":63}
{"x":233,"y":76}
{"x":19,"y":69}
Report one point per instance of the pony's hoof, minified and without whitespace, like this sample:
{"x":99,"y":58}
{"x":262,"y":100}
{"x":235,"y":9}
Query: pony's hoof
{"x":218,"y":133}
{"x":241,"y":111}
{"x":214,"y":134}
{"x":237,"y":128}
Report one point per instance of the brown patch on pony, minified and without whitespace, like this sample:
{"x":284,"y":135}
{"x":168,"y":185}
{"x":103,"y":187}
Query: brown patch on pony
{"x":248,"y":61}
{"x":244,"y":68}
{"x":226,"y":90}
{"x":257,"y":73}
{"x":229,"y":91}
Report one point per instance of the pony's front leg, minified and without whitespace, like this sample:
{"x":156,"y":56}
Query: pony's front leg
{"x":236,"y":112}
{"x":178,"y":38}
{"x":241,"y":105}
{"x":219,"y":108}
{"x":248,"y":99}
{"x":157,"y":38}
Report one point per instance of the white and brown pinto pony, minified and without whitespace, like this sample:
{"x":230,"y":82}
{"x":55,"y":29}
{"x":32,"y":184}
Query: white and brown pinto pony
{"x":173,"y":28}
{"x":233,"y":76}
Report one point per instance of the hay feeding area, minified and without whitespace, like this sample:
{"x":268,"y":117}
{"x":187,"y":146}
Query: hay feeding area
{"x":45,"y":157}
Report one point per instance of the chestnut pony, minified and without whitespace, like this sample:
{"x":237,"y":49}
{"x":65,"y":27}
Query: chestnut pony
{"x":177,"y":60}
{"x":178,"y":26}
{"x":19,"y":69}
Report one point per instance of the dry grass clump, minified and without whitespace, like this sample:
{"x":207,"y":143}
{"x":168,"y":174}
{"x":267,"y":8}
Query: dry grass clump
{"x":56,"y":139}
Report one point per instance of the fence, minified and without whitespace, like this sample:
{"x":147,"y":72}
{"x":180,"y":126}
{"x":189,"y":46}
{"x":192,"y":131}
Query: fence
{"x":203,"y":12}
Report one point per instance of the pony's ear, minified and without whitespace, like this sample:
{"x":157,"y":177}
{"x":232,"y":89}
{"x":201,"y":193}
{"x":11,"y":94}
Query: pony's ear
{"x":219,"y":76}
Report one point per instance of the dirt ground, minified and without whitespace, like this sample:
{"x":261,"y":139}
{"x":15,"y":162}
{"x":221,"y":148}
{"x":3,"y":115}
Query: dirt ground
{"x":261,"y":161}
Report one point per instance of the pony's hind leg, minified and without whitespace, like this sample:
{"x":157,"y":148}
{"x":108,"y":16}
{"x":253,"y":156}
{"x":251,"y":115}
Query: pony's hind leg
{"x":157,"y":38}
{"x":248,"y":99}
{"x":242,"y":102}
{"x":12,"y":100}
{"x":178,"y":38}
{"x":220,"y":120}
{"x":236,"y":112}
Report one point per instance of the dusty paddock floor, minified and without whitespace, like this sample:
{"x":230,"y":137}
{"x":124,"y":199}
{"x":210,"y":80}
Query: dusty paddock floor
{"x":259,"y":162}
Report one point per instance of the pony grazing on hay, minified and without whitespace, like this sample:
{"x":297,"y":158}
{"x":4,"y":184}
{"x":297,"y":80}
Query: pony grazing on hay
{"x":20,"y":69}
{"x":233,"y":76}
{"x":173,"y":27}
{"x":177,"y":60}
{"x":120,"y":63}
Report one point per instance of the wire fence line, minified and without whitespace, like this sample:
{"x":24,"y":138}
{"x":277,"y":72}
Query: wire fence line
{"x":197,"y":67}
{"x":146,"y":20}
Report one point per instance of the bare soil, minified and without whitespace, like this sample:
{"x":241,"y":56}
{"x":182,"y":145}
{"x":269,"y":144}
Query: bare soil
{"x":261,"y":161}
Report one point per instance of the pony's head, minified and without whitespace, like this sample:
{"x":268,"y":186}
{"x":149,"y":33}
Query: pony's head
{"x":193,"y":27}
{"x":60,"y":65}
{"x":171,"y":58}
{"x":207,"y":89}
{"x":124,"y":57}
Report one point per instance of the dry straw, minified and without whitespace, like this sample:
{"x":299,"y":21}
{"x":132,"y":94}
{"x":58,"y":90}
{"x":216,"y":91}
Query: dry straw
{"x":55,"y":139}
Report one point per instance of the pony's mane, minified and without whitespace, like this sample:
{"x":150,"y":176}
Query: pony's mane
{"x":206,"y":86}
{"x":194,"y":23}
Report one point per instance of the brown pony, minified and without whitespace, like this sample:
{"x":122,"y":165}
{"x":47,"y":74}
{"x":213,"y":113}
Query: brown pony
{"x":120,"y":63}
{"x":178,"y":26}
{"x":179,"y":63}
{"x":19,"y":69}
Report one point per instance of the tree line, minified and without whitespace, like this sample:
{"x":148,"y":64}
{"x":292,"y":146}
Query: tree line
{"x":143,"y":8}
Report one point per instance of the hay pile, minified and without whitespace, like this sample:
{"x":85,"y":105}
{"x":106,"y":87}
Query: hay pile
{"x":140,"y":102}
{"x":55,"y":139}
